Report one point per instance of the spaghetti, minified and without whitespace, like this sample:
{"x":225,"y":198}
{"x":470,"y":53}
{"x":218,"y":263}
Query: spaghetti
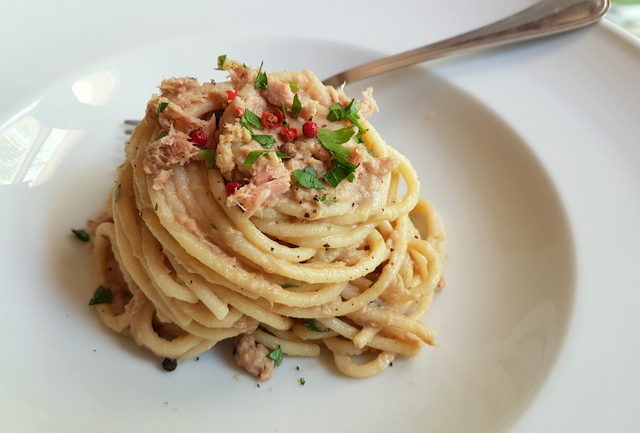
{"x":268,"y":209}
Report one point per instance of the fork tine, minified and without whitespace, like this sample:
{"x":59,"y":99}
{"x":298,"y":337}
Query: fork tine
{"x":131,"y":122}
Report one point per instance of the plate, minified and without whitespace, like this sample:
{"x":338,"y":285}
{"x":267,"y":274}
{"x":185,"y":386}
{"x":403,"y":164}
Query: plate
{"x":529,"y":153}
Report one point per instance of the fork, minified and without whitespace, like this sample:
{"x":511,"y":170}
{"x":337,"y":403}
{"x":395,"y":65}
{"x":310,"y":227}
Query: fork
{"x":545,"y":18}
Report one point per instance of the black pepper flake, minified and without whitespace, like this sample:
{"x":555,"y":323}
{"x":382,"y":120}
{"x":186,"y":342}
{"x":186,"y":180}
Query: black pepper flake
{"x":391,"y":249}
{"x":315,"y":211}
{"x":391,"y":364}
{"x":306,"y":214}
{"x":169,"y":364}
{"x":257,"y":384}
{"x":298,"y":367}
{"x":327,"y":246}
{"x":415,"y":237}
{"x":197,"y":358}
{"x":272,"y":248}
{"x":353,"y":204}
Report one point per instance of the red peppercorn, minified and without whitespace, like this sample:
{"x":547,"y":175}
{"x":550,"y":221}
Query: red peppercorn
{"x":281,"y":117}
{"x":269,"y":120}
{"x":231,"y":94}
{"x":198,"y":137}
{"x":288,"y":134}
{"x":231,"y":187}
{"x":310,"y":129}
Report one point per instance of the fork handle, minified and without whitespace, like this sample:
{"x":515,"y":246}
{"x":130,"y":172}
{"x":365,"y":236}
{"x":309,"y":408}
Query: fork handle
{"x":544,"y":18}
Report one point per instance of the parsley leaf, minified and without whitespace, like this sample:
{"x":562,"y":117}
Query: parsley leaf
{"x":308,"y":178}
{"x":325,"y":199}
{"x":294,"y":86}
{"x":296,"y":106}
{"x":102,"y":295}
{"x":284,"y":111}
{"x":253,"y":156}
{"x":162,"y":106}
{"x":267,"y":141}
{"x":276,"y":355}
{"x":333,"y":140}
{"x":81,"y":234}
{"x":116,"y":193}
{"x":221,"y":60}
{"x":250,"y":119}
{"x":313,"y":326}
{"x":209,"y":158}
{"x":336,"y":112}
{"x":338,"y":173}
{"x":302,"y":381}
{"x":288,"y":286}
{"x":262,"y":81}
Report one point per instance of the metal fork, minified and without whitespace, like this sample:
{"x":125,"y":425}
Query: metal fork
{"x":545,"y":18}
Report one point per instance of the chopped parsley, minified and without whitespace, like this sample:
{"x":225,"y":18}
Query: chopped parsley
{"x":262,"y":81}
{"x":312,"y":325}
{"x":294,"y":86}
{"x":302,"y":381}
{"x":102,"y":295}
{"x":221,"y":60}
{"x":284,"y":110}
{"x":155,"y":207}
{"x":338,"y":173}
{"x":350,"y":112}
{"x":288,"y":286}
{"x":336,"y":112}
{"x":253,"y":156}
{"x":308,"y":178}
{"x":296,"y":106}
{"x":164,"y":134}
{"x":162,"y":106}
{"x":81,"y":234}
{"x":340,"y":168}
{"x":250,"y":120}
{"x":116,"y":193}
{"x":276,"y":355}
{"x":209,"y":158}
{"x":325,"y":199}
{"x":266,"y":141}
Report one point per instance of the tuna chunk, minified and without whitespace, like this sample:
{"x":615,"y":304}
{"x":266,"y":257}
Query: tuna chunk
{"x":163,"y":154}
{"x":252,"y":356}
{"x":270,"y":178}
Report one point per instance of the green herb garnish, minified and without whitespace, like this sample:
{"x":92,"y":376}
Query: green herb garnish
{"x":116,"y":193}
{"x":221,"y":60}
{"x":313,"y":326}
{"x":296,"y":106}
{"x":276,"y":355}
{"x":253,"y":156}
{"x":308,"y":178}
{"x":294,"y":86}
{"x":209,"y":158}
{"x":288,"y":286}
{"x":302,"y":381}
{"x":338,"y":173}
{"x":262,"y":81}
{"x":336,"y":112}
{"x":162,"y":106}
{"x":326,"y":200}
{"x":155,"y":207}
{"x":102,"y":295}
{"x":340,"y":168}
{"x":266,"y":141}
{"x":81,"y":234}
{"x":284,"y":110}
{"x":164,"y":134}
{"x":250,"y":120}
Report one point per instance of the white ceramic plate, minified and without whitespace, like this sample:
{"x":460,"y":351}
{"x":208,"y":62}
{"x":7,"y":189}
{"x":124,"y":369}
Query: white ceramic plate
{"x":530,"y":153}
